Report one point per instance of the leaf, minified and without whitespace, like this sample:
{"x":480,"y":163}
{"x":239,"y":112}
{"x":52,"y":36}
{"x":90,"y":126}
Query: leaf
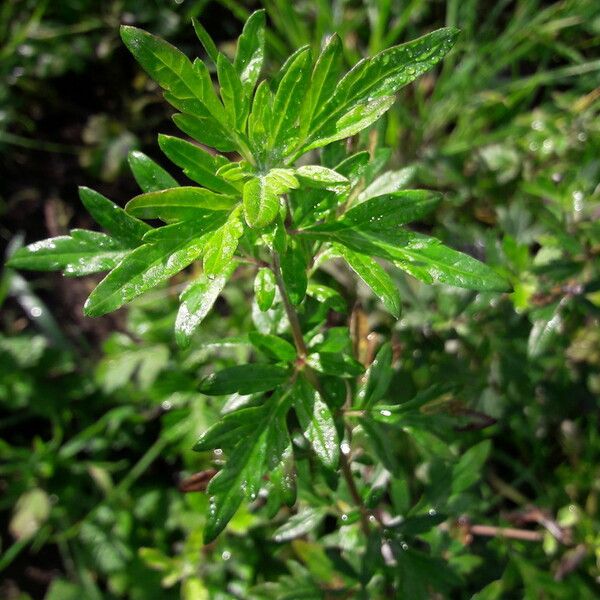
{"x":122,"y":226}
{"x":374,"y":275}
{"x":317,"y":423}
{"x":243,"y":379}
{"x":197,"y":164}
{"x":206,"y":40}
{"x":545,"y":329}
{"x":423,"y":257}
{"x":150,"y":176}
{"x":259,"y":120}
{"x":378,"y":378}
{"x":300,"y":524}
{"x":384,"y":74}
{"x":273,"y":346}
{"x":288,"y":102}
{"x":202,"y":127}
{"x":229,"y":429}
{"x":334,"y":363}
{"x":321,"y":177}
{"x":323,"y":80}
{"x":392,"y":210}
{"x":197,"y":300}
{"x":261,"y":203}
{"x":142,"y":269}
{"x":178,"y":203}
{"x":283,"y":489}
{"x":81,"y":253}
{"x":418,"y":572}
{"x":355,"y":120}
{"x":250,"y":51}
{"x":173,"y":71}
{"x":293,"y":272}
{"x":264,"y":288}
{"x":252,"y":456}
{"x":236,"y":103}
{"x":222,"y":244}
{"x":468,"y":470}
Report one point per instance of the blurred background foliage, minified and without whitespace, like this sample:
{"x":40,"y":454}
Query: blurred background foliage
{"x":99,"y":416}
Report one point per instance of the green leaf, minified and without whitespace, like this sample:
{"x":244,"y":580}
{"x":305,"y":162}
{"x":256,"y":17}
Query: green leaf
{"x":293,"y":272}
{"x":546,"y":327}
{"x":261,"y":202}
{"x":81,"y":253}
{"x":358,"y":118}
{"x":206,"y":40}
{"x":197,"y":300}
{"x":173,"y":71}
{"x":114,"y":219}
{"x":143,"y":269}
{"x":392,"y":210}
{"x":334,"y":363}
{"x":229,"y":429}
{"x":250,"y":51}
{"x":222,"y":244}
{"x":469,"y":468}
{"x":259,"y":121}
{"x":384,"y":74}
{"x":323,"y":80}
{"x":321,"y":177}
{"x":317,"y":423}
{"x":254,"y":454}
{"x":374,"y":275}
{"x":264,"y":288}
{"x":378,"y":378}
{"x":244,"y":379}
{"x":150,"y":176}
{"x":178,"y":203}
{"x":283,"y":489}
{"x":236,"y":103}
{"x":300,"y":524}
{"x":288,"y":102}
{"x":197,"y":164}
{"x":273,"y":346}
{"x":202,"y":127}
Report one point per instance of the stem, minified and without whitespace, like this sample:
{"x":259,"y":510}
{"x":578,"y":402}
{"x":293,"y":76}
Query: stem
{"x":312,"y":377}
{"x":289,"y":309}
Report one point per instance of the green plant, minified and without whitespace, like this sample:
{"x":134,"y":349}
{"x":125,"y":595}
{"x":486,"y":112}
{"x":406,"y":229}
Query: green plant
{"x":298,"y":415}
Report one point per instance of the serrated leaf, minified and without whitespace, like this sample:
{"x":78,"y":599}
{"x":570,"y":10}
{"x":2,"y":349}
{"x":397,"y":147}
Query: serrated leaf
{"x":178,"y":203}
{"x":377,"y":379}
{"x":122,"y":226}
{"x":293,"y":272}
{"x":81,"y":253}
{"x":385,"y":73}
{"x":288,"y":102}
{"x":273,"y":346}
{"x":252,"y":456}
{"x":197,"y":164}
{"x":142,"y":269}
{"x":317,"y":423}
{"x":261,"y":203}
{"x":236,"y":103}
{"x":300,"y":524}
{"x":250,"y":51}
{"x":244,"y":379}
{"x":222,"y":244}
{"x":227,"y":431}
{"x":172,"y":70}
{"x":334,"y":363}
{"x":392,"y":210}
{"x":197,"y":300}
{"x":323,"y":80}
{"x":375,"y":276}
{"x":202,"y":127}
{"x":321,"y":177}
{"x":206,"y":40}
{"x":150,"y":176}
{"x":264,"y":288}
{"x":355,"y":120}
